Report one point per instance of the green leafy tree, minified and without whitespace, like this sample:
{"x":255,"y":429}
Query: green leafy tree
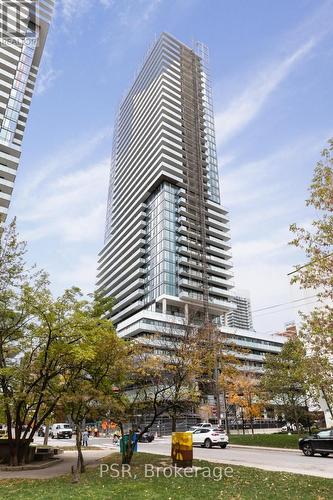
{"x":286,"y":380}
{"x":96,"y":371}
{"x":43,"y":343}
{"x":317,"y":274}
{"x":148,"y":395}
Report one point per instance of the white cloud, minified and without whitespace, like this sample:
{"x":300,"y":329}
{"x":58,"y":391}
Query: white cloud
{"x":244,"y":108}
{"x":47,"y":75}
{"x":66,"y":158}
{"x":61,"y":209}
{"x":137,"y":12}
{"x":129,"y":12}
{"x":264,"y":200}
{"x":71,"y":208}
{"x":74,"y":8}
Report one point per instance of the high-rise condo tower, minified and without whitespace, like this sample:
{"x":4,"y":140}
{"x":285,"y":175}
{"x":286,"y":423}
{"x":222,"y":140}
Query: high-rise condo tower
{"x":166,"y":256}
{"x":24,"y":26}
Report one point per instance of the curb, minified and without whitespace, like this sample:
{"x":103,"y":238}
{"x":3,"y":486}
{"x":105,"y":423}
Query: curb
{"x":45,"y":465}
{"x":267,"y":448}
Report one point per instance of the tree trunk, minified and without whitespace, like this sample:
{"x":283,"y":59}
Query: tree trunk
{"x":297,"y":420}
{"x":128,"y":450}
{"x":80,"y":461}
{"x":17,"y":446}
{"x":18,"y":451}
{"x":227,"y":429}
{"x":46,"y":436}
{"x":173,"y":423}
{"x":243,"y":424}
{"x":13,"y":459}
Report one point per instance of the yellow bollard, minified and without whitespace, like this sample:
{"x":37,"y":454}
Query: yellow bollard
{"x":182,"y":449}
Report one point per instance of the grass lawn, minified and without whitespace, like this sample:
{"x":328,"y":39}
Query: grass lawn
{"x":242,"y":483}
{"x":273,"y":440}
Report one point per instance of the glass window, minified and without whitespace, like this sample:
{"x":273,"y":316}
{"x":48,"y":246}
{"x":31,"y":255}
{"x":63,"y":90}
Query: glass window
{"x":13,"y":104}
{"x":324,"y":434}
{"x":9,"y":124}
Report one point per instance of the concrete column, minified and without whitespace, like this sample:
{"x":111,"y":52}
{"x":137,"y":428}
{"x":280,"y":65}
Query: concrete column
{"x":186,"y":313}
{"x":164,"y":306}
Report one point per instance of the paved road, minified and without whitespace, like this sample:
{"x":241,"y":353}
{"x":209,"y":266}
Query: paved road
{"x":287,"y":461}
{"x":274,"y":460}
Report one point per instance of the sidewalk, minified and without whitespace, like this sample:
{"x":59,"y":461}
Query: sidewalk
{"x":69,"y":458}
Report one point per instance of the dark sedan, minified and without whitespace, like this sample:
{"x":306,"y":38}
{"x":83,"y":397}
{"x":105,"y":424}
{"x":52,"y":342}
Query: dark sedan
{"x":321,"y":443}
{"x":147,"y":437}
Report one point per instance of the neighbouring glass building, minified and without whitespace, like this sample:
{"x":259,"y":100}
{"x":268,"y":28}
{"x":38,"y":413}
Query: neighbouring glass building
{"x":167,"y":253}
{"x":24,"y":26}
{"x":241,"y":317}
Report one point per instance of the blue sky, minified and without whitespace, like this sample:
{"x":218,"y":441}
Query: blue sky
{"x":272,"y":70}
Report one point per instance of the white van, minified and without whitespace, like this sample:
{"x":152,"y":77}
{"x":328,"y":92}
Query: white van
{"x":61,"y":431}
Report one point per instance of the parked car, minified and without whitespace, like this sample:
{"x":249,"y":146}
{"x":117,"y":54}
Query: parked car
{"x":202,"y":425}
{"x":210,"y":437}
{"x":291,"y":427}
{"x":41,"y":431}
{"x":321,"y":443}
{"x":61,"y":431}
{"x":147,"y":437}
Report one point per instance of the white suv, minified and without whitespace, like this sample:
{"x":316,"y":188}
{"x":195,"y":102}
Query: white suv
{"x":210,"y":437}
{"x":61,"y":431}
{"x":203,"y":425}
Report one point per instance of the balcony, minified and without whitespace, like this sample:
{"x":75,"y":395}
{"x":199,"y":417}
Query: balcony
{"x":127,"y":311}
{"x":250,"y":368}
{"x":215,"y":305}
{"x":217,"y":224}
{"x":215,"y":279}
{"x":191,"y":272}
{"x":114,"y":281}
{"x":216,"y":260}
{"x":129,"y":298}
{"x":190,"y":283}
{"x":187,"y":251}
{"x":220,"y":271}
{"x":218,"y":231}
{"x":139,"y":283}
{"x":218,"y":242}
{"x":191,"y":296}
{"x":218,"y":252}
{"x":189,"y":262}
{"x":219,"y":291}
{"x":217,"y":215}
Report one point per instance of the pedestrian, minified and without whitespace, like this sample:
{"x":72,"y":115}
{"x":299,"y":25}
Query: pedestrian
{"x":85,"y":437}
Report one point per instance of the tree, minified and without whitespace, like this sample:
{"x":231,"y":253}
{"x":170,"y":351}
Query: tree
{"x":317,"y":274}
{"x":286,"y":381}
{"x":194,"y":359}
{"x":96,"y":371}
{"x":42,"y":342}
{"x":220,"y":361}
{"x":149,"y":393}
{"x":244,"y":392}
{"x":182,"y":353}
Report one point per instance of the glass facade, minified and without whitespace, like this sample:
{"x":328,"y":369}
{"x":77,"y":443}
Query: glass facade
{"x":161,"y":265}
{"x":9,"y":123}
